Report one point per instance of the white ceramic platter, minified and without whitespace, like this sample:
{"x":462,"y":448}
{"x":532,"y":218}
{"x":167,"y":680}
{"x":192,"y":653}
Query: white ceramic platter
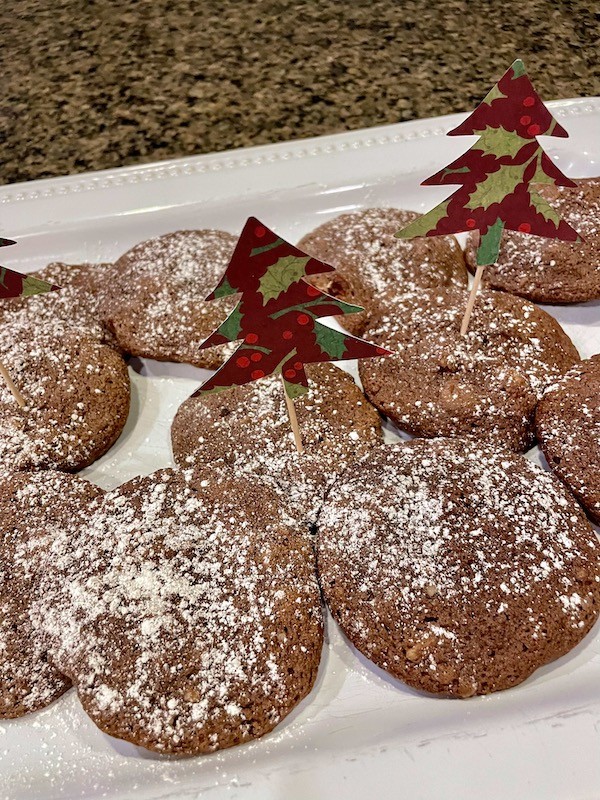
{"x":360,"y":734}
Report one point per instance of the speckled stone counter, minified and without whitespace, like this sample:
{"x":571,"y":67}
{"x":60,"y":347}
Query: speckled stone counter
{"x":91,"y":84}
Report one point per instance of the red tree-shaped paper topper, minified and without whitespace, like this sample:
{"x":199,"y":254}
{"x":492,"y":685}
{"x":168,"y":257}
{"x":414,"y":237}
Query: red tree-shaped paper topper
{"x":498,"y":174}
{"x":15,"y":284}
{"x":276,"y":317}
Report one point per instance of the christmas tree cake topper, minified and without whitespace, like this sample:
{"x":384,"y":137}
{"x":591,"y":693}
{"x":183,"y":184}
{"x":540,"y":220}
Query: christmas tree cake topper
{"x":15,"y":284}
{"x":498,"y":174}
{"x":276,"y":318}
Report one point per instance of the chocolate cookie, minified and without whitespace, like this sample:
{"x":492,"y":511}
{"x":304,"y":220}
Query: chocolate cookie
{"x":155,"y":306}
{"x":247,"y":428}
{"x":77,"y":401}
{"x":548,"y":270}
{"x":187,"y":614}
{"x":34,"y":509}
{"x":456,"y":568}
{"x":567,"y":423}
{"x":486,"y":383}
{"x":74,"y":309}
{"x":373,"y":265}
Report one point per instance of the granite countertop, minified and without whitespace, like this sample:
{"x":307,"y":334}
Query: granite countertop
{"x":94,"y":84}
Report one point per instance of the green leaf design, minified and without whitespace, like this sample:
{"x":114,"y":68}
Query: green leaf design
{"x":280,"y":276}
{"x":544,"y":208}
{"x":294,"y":390}
{"x":232,"y":326}
{"x":425,"y":224}
{"x":33,"y":286}
{"x":215,"y":390}
{"x":345,"y":308}
{"x":518,"y":68}
{"x":489,"y":246}
{"x":448,"y":171}
{"x":496,"y":186}
{"x":266,"y":247}
{"x":331,"y":342}
{"x":499,"y":142}
{"x":224,"y":289}
{"x":492,"y":95}
{"x":542,"y":177}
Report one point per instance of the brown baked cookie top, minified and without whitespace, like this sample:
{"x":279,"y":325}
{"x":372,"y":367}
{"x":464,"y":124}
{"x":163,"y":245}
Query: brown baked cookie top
{"x":77,"y":401}
{"x":72,"y":309}
{"x":548,"y":270}
{"x":187,"y":614}
{"x":155,"y":306}
{"x":484,"y":384}
{"x":567,"y":423}
{"x":370,"y":261}
{"x":247,"y":428}
{"x":456,"y":568}
{"x":34,"y":509}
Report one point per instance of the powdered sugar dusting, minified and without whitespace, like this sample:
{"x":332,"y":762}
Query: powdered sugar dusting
{"x":156,"y":307}
{"x":568,"y":426}
{"x":548,"y":270}
{"x":33,"y":507}
{"x":427,"y":545}
{"x":362,"y":245}
{"x":73,"y":310}
{"x":180,"y":616}
{"x":248,"y":429}
{"x":77,"y":400}
{"x":488,"y":382}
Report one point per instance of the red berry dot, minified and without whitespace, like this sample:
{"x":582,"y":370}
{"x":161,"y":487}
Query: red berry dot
{"x":312,"y":291}
{"x":256,"y":374}
{"x":303,"y":319}
{"x":525,"y":227}
{"x":251,"y":338}
{"x":259,"y":231}
{"x":533,"y":130}
{"x":525,"y":119}
{"x":382,"y":350}
{"x":289,"y":374}
{"x":298,"y":365}
{"x":529,"y":101}
{"x":287,"y":334}
{"x":256,"y":357}
{"x":471,"y":222}
{"x":243,"y":362}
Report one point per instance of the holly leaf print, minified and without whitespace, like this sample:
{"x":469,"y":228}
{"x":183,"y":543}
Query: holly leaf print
{"x":294,"y":390}
{"x":224,"y":289}
{"x":493,"y":94}
{"x":281,"y":275}
{"x":500,"y":142}
{"x":33,"y":286}
{"x":496,"y":186}
{"x":231,"y":327}
{"x":331,"y":342}
{"x":541,"y":176}
{"x":425,"y":224}
{"x":544,"y":208}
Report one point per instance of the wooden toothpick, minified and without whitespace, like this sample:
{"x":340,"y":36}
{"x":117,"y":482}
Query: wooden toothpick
{"x":293,"y":419}
{"x":471,"y":301}
{"x":9,"y":382}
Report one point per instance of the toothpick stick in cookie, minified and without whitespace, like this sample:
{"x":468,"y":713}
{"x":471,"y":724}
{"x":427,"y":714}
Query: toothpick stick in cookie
{"x":498,"y":174}
{"x":276,"y":318}
{"x":15,"y":284}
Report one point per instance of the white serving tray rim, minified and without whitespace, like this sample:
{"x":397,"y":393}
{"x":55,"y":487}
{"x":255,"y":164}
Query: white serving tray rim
{"x":256,"y":156}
